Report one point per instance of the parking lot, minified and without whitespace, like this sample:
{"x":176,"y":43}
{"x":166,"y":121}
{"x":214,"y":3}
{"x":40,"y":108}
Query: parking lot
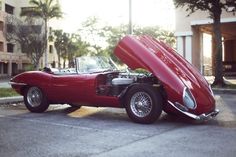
{"x":64,"y":131}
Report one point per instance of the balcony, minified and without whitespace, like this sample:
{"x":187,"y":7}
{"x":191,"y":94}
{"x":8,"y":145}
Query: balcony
{"x":2,"y":15}
{"x":14,"y":58}
{"x":2,"y":20}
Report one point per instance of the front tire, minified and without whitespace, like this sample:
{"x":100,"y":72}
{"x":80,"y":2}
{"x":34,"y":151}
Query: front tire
{"x":75,"y":106}
{"x":35,"y":100}
{"x":143,"y":103}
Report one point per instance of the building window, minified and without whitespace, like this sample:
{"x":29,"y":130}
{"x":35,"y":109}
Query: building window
{"x":10,"y":48}
{"x":14,"y":69}
{"x":50,"y":49}
{"x":1,"y":68}
{"x":27,"y":9}
{"x":23,"y":9}
{"x":1,"y":26}
{"x":9,"y":9}
{"x":5,"y":68}
{"x":1,"y":46}
{"x":10,"y":28}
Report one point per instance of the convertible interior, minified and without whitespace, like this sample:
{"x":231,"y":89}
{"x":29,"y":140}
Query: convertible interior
{"x":68,"y":71}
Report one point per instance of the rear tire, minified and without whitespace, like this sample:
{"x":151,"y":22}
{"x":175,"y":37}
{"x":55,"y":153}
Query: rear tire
{"x":143,"y":103}
{"x":75,"y":106}
{"x":35,"y":100}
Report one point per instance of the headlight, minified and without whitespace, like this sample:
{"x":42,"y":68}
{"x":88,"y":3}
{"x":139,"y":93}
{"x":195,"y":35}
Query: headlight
{"x":188,"y":99}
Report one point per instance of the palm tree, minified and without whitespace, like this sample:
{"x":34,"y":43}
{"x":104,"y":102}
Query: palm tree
{"x":58,"y":43}
{"x":45,"y":9}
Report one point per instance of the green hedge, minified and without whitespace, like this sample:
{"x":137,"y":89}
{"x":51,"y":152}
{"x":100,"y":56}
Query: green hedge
{"x":7,"y":92}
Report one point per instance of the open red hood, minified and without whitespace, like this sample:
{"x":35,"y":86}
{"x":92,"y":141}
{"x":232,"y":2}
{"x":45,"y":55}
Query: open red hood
{"x":169,"y":67}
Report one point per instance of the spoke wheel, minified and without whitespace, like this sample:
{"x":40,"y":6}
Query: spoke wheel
{"x":143,"y":103}
{"x":35,"y":100}
{"x":34,"y":97}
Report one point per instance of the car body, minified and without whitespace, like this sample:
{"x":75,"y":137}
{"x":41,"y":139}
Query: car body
{"x":170,"y":83}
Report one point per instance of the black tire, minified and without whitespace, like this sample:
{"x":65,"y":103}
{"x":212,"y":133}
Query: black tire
{"x":143,"y":103}
{"x":35,"y":100}
{"x":75,"y":106}
{"x":172,"y":114}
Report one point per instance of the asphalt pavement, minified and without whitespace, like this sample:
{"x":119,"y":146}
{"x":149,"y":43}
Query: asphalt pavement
{"x":63,"y":131}
{"x":100,"y":132}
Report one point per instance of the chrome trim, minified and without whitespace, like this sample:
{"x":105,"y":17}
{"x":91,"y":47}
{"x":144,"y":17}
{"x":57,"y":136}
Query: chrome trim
{"x":181,"y":107}
{"x":141,"y":104}
{"x":34,"y":97}
{"x":16,"y":83}
{"x":201,"y":117}
{"x":212,"y":93}
{"x":193,"y":98}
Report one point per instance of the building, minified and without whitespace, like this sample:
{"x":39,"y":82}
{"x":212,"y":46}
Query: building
{"x":194,"y":35}
{"x":12,"y":60}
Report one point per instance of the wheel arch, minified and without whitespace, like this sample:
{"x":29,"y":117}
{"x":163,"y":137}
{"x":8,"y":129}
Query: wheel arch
{"x":27,"y":86}
{"x":144,"y":103}
{"x":158,"y":88}
{"x":41,"y":106}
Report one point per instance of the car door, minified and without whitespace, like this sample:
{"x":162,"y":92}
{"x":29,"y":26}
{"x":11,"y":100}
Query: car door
{"x":68,"y":88}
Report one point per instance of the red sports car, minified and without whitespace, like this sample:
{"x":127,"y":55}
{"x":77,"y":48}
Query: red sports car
{"x":168,"y":83}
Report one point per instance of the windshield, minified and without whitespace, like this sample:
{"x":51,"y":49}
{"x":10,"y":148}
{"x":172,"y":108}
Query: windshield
{"x":94,"y":64}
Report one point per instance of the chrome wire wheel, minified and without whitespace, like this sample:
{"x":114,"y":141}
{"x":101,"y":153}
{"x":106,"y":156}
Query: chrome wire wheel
{"x":34,"y":97}
{"x":141,"y":104}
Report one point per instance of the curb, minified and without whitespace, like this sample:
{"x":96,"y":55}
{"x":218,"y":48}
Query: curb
{"x":7,"y":100}
{"x":223,"y":91}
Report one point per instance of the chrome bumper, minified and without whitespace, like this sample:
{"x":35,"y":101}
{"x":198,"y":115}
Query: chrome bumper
{"x":202,"y":117}
{"x":16,"y":83}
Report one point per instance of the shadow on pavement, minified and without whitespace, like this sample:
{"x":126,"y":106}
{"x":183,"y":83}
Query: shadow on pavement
{"x":226,"y":117}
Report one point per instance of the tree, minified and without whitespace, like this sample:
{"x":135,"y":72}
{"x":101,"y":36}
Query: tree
{"x":91,"y":32}
{"x":57,"y":38}
{"x":214,"y":8}
{"x":68,"y":46}
{"x":82,"y":47}
{"x":64,"y":54}
{"x":45,"y":9}
{"x":156,"y":32}
{"x":114,"y":34}
{"x":101,"y":40}
{"x":28,"y":35}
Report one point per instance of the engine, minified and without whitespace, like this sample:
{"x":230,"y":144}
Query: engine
{"x":112,"y":84}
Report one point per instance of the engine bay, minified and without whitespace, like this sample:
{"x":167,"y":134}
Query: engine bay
{"x":112,"y":84}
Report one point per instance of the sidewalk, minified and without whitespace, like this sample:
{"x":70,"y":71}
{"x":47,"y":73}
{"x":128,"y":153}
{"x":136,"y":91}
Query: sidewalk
{"x":4,"y":83}
{"x":10,"y":100}
{"x":228,"y":80}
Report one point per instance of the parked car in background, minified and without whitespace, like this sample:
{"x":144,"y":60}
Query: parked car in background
{"x":170,"y":83}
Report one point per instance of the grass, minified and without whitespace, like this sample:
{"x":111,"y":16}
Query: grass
{"x":7,"y":92}
{"x":231,"y":86}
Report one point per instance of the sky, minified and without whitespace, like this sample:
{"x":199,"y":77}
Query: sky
{"x":116,"y":12}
